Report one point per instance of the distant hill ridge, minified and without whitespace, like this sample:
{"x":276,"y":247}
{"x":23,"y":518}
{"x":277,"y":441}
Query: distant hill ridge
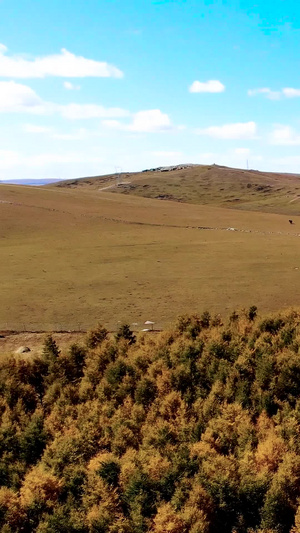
{"x":204,"y":184}
{"x":29,"y":181}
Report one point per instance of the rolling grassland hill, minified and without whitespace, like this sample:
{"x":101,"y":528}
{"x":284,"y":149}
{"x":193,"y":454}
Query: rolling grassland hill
{"x":206,"y":185}
{"x":71,"y":257}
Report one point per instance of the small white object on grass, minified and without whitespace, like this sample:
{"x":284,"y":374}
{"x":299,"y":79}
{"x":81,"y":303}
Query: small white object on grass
{"x":149,"y":323}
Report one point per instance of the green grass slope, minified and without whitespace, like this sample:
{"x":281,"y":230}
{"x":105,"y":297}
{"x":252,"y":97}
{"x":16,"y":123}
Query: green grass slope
{"x":70,"y":257}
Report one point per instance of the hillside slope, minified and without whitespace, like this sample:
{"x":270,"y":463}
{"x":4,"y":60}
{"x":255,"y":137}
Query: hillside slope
{"x":206,"y":185}
{"x":70,"y":257}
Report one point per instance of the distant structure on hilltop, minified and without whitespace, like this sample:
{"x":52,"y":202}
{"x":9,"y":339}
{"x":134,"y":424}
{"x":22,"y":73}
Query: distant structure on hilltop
{"x":170,"y":168}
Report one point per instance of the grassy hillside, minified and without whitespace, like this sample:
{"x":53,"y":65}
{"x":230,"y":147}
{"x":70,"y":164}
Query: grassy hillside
{"x":194,"y":430}
{"x":70,"y":257}
{"x":207,"y":185}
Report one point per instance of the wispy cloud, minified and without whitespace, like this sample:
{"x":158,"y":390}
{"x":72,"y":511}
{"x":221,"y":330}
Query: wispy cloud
{"x":70,"y":86}
{"x":283,"y":135}
{"x":287,"y":92}
{"x":239,"y":130}
{"x":65,"y":64}
{"x":210,"y":86}
{"x":271,"y":95}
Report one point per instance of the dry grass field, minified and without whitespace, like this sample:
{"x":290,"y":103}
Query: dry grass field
{"x":11,"y":342}
{"x":72,"y":257}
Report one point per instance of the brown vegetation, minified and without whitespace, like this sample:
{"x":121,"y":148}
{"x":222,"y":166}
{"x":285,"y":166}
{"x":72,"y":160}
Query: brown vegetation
{"x":70,"y":258}
{"x":192,"y":430}
{"x":206,"y":185}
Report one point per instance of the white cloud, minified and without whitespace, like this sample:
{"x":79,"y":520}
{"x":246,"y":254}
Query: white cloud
{"x":289,"y":92}
{"x":211,"y":86}
{"x":70,"y":86}
{"x":284,"y":136}
{"x":85,"y":111}
{"x":239,"y":130}
{"x":64,"y":65}
{"x":16,"y":98}
{"x":19,"y":98}
{"x":271,"y":95}
{"x":149,"y":121}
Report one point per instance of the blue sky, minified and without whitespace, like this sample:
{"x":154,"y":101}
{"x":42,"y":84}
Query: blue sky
{"x":88,"y":87}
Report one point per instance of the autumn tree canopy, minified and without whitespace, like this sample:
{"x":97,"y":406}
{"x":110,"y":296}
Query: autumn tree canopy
{"x":192,"y":430}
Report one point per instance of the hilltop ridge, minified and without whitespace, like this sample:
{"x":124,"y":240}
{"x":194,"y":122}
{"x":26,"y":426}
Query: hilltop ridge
{"x":215,"y":185}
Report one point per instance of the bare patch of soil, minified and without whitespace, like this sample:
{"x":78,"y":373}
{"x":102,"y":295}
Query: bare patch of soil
{"x":10,"y":342}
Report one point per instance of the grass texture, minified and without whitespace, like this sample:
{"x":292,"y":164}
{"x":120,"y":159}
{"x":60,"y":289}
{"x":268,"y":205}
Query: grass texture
{"x":73,"y":257}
